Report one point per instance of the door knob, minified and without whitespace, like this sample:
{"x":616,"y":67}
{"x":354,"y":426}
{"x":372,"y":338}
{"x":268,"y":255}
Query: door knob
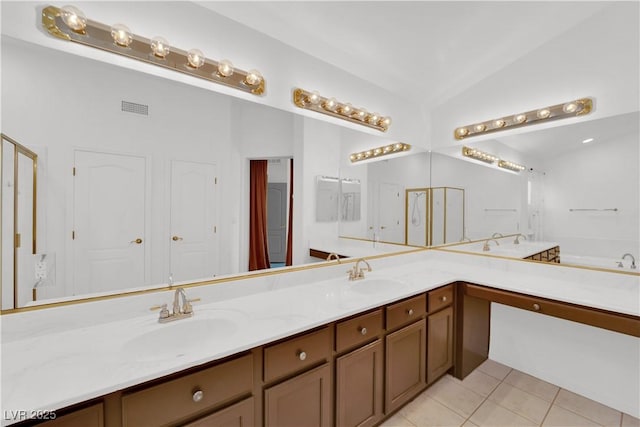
{"x":137,"y":241}
{"x":176,"y":238}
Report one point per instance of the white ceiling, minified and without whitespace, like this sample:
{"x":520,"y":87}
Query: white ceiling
{"x":427,"y":51}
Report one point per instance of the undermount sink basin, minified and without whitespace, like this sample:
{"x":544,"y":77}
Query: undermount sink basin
{"x":174,"y":340}
{"x":372,"y":286}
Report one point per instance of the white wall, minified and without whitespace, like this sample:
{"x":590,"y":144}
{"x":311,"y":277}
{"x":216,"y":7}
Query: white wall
{"x":587,"y":179}
{"x":588,"y":60}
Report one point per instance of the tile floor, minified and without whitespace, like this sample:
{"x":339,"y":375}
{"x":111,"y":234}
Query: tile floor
{"x":496,"y":395}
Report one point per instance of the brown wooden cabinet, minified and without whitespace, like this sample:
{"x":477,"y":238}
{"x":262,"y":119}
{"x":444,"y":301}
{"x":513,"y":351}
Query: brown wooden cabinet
{"x":238,"y":415}
{"x":92,"y":416}
{"x":359,"y":390}
{"x":405,"y":364}
{"x":439,"y":343}
{"x":188,"y":396}
{"x":304,"y":400}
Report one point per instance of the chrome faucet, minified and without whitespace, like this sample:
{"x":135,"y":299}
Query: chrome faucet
{"x":486,"y":244}
{"x":357,"y":273}
{"x":633,"y":260}
{"x":517,"y":242}
{"x":179,"y":311}
{"x":335,"y":256}
{"x":496,"y":234}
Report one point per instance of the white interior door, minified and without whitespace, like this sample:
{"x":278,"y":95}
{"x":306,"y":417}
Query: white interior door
{"x":194,"y":250}
{"x":8,"y":231}
{"x":391,"y":212}
{"x":109,"y":222}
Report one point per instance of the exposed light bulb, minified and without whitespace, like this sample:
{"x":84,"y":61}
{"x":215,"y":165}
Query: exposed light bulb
{"x":398,"y":146}
{"x":543,"y":113}
{"x":588,"y":140}
{"x":314,"y":97}
{"x":499,"y":123}
{"x":520,"y":118}
{"x":368,"y":153}
{"x":377,"y":151}
{"x":121,"y":35}
{"x":225,"y":68}
{"x":374,"y":118}
{"x":361,"y":114}
{"x":254,"y":78}
{"x":385,"y":122}
{"x":73,"y":18}
{"x":330,"y":104}
{"x":570,"y":107}
{"x":160,"y":47}
{"x":353,"y":157}
{"x":195,"y":57}
{"x":388,"y":149}
{"x":480,"y":127}
{"x":346,"y":109}
{"x":460,"y":132}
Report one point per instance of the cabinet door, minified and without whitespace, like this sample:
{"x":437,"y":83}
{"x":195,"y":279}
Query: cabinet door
{"x":93,"y":416}
{"x":439,"y":343}
{"x":238,"y":415}
{"x":304,"y":400}
{"x":405,"y":364}
{"x":359,"y":391}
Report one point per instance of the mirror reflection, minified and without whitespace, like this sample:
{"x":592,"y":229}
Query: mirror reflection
{"x":579,"y":192}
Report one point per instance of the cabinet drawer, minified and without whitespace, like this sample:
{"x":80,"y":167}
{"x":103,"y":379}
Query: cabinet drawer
{"x":93,"y":416}
{"x":439,"y":298}
{"x":296,"y":354}
{"x":240,"y":414}
{"x":407,"y":311}
{"x":174,"y":400}
{"x":358,"y":330}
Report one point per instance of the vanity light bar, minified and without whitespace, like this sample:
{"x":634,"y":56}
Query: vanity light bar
{"x":559,"y":111}
{"x":69,"y":23}
{"x":315,"y":102}
{"x":505,"y":164}
{"x":478,"y":155}
{"x":490,"y":158}
{"x":379,"y":151}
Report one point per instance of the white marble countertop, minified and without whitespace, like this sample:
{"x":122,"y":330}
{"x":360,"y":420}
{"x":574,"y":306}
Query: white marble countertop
{"x":68,"y":365}
{"x":357,"y":248}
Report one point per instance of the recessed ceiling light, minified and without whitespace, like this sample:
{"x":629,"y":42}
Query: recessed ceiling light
{"x":587,"y":140}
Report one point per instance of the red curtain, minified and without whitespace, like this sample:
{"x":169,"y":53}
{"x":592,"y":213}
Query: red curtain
{"x":289,"y":260}
{"x":258,"y":247}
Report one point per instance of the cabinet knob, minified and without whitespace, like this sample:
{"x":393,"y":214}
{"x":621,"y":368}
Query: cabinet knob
{"x":443,"y":299}
{"x":198,"y":395}
{"x":363,"y":331}
{"x":410,"y":312}
{"x":536,"y":307}
{"x":302,"y":355}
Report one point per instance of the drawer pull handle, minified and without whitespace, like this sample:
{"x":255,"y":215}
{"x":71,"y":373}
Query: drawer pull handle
{"x":443,"y":299}
{"x":536,"y":307}
{"x":363,"y":331}
{"x":302,"y":355}
{"x":198,"y":396}
{"x":410,"y":312}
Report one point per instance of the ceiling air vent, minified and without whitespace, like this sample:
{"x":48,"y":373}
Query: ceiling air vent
{"x":132,"y":107}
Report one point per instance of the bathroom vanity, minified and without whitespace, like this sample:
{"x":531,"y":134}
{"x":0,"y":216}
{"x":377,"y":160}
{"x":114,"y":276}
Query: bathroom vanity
{"x":285,"y":349}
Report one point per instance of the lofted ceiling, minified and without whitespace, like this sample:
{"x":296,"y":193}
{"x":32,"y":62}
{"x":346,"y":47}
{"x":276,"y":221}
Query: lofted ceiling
{"x":426,"y":51}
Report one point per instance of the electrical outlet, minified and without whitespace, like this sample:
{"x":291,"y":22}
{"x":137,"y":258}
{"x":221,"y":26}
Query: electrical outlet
{"x":41,"y":270}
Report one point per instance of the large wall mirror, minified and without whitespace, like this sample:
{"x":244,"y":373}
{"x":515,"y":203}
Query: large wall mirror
{"x":580,"y":190}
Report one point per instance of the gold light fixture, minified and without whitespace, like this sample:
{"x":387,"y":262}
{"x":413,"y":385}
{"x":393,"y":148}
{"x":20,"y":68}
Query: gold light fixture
{"x":478,"y":155}
{"x":505,"y":164}
{"x":491,"y":159}
{"x":398,"y":147}
{"x":343,"y":110}
{"x":559,"y":111}
{"x":69,"y":23}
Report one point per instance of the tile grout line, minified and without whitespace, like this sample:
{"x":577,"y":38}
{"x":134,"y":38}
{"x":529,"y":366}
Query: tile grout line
{"x":487,"y":396}
{"x":550,"y":406}
{"x":584,"y":416}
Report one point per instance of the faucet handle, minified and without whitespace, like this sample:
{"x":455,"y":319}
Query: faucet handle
{"x":187,"y":308}
{"x":164,"y":311}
